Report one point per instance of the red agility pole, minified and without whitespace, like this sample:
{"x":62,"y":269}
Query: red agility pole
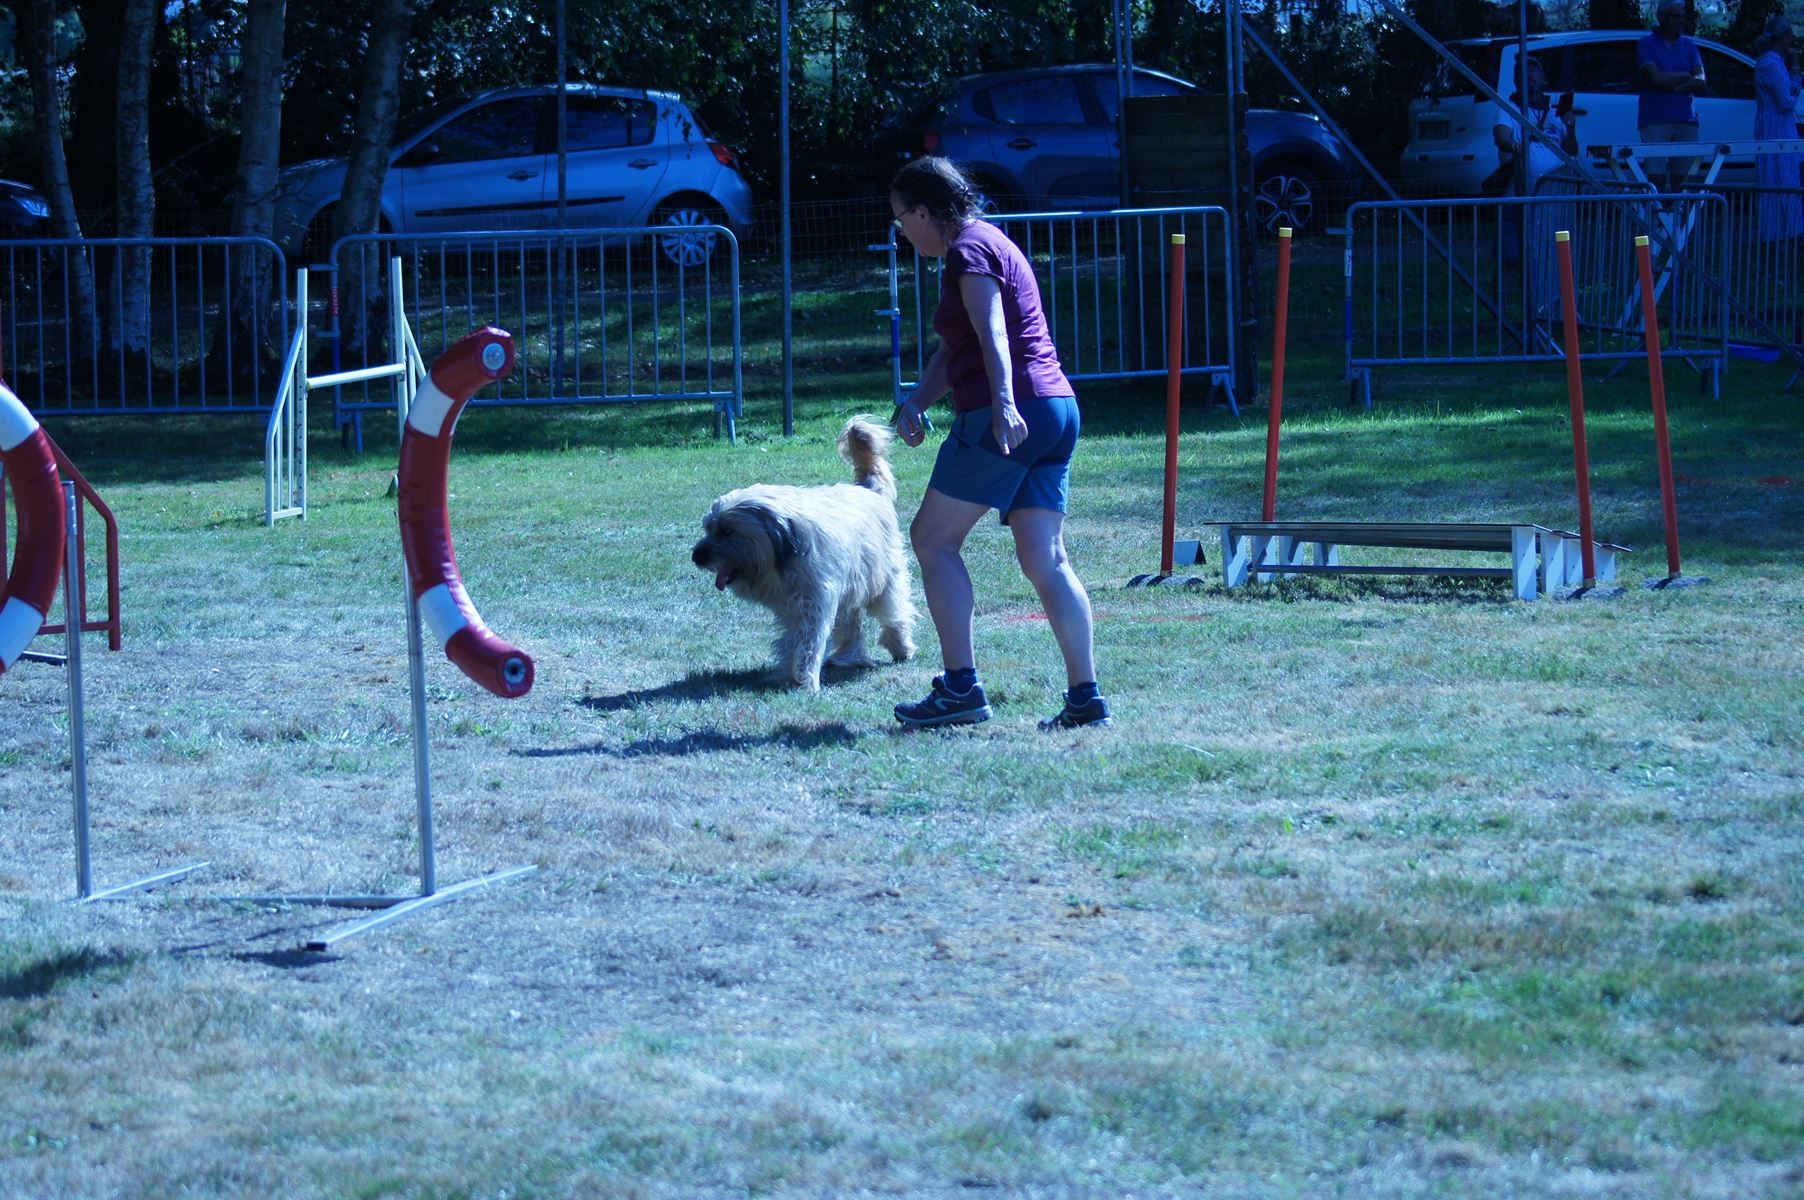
{"x":1657,"y":385}
{"x":1575,"y":389}
{"x":1280,"y":326}
{"x":1174,"y":374}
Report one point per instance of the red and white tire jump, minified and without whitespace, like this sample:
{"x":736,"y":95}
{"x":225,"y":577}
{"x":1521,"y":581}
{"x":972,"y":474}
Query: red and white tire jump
{"x":30,"y":587}
{"x":467,"y":367}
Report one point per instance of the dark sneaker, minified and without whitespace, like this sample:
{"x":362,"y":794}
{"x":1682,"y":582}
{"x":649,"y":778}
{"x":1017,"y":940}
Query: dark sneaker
{"x":1094,"y":711}
{"x":943,"y":707}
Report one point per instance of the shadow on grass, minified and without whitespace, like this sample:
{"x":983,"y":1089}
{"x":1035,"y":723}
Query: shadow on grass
{"x":705,"y":685}
{"x":709,"y":741}
{"x":40,"y":977}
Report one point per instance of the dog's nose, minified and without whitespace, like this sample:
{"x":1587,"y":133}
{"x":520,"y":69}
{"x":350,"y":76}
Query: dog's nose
{"x":698,"y":555}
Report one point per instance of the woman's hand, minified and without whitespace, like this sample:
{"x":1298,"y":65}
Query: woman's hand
{"x":909,"y":424}
{"x":1006,"y":425}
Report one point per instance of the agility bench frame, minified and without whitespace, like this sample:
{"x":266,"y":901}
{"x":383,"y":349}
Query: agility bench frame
{"x":1541,"y":559}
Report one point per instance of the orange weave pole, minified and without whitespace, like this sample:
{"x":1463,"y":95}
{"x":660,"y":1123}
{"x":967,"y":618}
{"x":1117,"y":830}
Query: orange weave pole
{"x":1575,"y":390}
{"x":1280,"y":328}
{"x":1174,"y":375}
{"x":1656,"y":382}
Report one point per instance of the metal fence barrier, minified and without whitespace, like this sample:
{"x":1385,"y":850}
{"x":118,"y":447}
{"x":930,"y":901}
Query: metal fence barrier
{"x":143,"y":325}
{"x":599,"y":316}
{"x":1104,"y":284}
{"x":1766,"y":310}
{"x":1446,"y":282}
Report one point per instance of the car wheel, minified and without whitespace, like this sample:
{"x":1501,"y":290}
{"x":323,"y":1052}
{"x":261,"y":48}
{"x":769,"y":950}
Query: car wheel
{"x":695,"y":247}
{"x":1286,"y":195}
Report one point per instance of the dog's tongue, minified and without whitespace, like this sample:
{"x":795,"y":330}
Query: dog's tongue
{"x":721,"y":580}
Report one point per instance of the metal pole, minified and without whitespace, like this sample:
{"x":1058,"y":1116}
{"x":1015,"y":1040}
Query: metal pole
{"x":422,"y":749}
{"x":1174,"y":375}
{"x":789,"y":380}
{"x":1575,"y":391}
{"x":1656,"y":379}
{"x":1280,"y":326}
{"x":78,"y":729}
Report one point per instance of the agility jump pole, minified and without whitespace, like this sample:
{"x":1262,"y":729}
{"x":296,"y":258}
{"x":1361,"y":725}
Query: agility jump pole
{"x":1280,"y":327}
{"x":1174,"y":375}
{"x":1575,"y":391}
{"x":1656,"y":378}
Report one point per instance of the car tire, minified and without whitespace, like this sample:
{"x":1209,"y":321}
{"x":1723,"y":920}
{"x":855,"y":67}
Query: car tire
{"x":1286,"y":193}
{"x":691,"y":249}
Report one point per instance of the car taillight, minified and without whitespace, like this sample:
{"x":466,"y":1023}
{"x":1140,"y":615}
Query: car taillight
{"x":724,"y":155}
{"x":930,"y":141}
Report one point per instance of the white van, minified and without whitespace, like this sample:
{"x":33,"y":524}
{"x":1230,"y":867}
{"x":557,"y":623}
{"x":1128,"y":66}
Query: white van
{"x":1450,"y":150}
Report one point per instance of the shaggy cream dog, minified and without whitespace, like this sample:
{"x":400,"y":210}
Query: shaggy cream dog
{"x":820,"y":558}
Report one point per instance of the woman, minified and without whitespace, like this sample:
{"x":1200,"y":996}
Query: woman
{"x":1781,"y":215}
{"x":1015,"y":425}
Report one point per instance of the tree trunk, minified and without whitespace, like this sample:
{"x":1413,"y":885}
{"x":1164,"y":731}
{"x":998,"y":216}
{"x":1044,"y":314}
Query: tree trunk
{"x":39,"y":22}
{"x":130,"y":310}
{"x":363,"y":276}
{"x":248,"y":347}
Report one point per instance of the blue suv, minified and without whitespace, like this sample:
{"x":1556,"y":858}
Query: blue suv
{"x":1045,"y":138}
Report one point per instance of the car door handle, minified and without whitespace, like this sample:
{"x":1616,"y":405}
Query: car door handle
{"x":522,"y":174}
{"x":1022,"y":143}
{"x":640,"y":164}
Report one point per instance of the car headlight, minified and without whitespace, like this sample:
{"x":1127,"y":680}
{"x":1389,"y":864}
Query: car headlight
{"x":34,"y":206}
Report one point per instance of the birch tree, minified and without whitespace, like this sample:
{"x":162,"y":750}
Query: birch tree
{"x":359,"y":204}
{"x":254,"y":191}
{"x":38,"y":24}
{"x":130,"y":309}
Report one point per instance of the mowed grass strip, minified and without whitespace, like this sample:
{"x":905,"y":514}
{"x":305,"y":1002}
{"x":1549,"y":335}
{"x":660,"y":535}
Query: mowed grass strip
{"x":1380,"y":887}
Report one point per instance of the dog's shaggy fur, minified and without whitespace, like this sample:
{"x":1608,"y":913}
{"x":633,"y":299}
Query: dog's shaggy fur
{"x":820,"y":558}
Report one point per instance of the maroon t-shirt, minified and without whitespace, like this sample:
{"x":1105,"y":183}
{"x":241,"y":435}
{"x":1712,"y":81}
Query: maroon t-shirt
{"x":982,"y":249}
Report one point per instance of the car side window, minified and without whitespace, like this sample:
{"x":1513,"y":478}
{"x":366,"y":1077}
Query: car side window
{"x":607,"y":122}
{"x":1726,"y":77}
{"x":1607,"y":67}
{"x":1109,"y":95}
{"x":501,"y":129}
{"x":1049,"y":100}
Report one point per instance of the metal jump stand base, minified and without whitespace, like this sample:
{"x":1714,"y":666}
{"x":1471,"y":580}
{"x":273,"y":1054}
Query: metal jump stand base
{"x":1671,"y":582}
{"x":1183,"y":553}
{"x":395,"y":908}
{"x":70,"y":661}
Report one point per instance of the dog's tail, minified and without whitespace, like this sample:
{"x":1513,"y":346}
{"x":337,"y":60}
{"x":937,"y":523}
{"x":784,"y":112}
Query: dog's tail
{"x":865,"y":444}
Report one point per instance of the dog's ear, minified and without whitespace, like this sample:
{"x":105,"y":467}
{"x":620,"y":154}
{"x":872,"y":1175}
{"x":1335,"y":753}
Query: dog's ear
{"x":781,"y":533}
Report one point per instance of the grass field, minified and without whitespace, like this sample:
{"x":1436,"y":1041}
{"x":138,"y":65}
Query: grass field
{"x":1382,"y":888}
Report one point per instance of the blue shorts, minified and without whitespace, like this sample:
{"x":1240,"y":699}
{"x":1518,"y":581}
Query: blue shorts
{"x":972,"y":467}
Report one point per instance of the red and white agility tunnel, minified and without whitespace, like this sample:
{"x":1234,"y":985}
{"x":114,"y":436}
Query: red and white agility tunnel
{"x":464,"y":369}
{"x":30,"y":586}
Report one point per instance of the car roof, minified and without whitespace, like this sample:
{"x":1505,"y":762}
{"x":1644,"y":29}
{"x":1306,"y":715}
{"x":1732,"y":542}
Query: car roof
{"x":1063,"y":69}
{"x":1576,"y":36}
{"x":586,"y":89}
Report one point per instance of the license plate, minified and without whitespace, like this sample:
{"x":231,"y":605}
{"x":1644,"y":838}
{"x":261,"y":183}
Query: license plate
{"x":1432,"y":131}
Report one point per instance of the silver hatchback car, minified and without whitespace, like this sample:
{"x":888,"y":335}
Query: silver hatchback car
{"x":489,"y":162}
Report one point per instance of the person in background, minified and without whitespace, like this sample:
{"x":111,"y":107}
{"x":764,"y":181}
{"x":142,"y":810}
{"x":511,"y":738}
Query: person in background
{"x":1672,"y":72}
{"x":1014,"y":428}
{"x":1781,"y":214}
{"x":1514,"y":142}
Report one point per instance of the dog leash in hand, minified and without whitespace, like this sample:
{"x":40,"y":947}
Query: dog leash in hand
{"x":895,"y":419}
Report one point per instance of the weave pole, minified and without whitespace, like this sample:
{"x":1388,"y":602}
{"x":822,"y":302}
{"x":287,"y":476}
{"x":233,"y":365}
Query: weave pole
{"x":1575,"y":391}
{"x":1174,"y":377}
{"x":1656,"y":381}
{"x":1280,"y":329}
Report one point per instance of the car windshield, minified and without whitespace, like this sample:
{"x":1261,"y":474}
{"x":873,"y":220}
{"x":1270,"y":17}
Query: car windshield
{"x":1441,"y":80}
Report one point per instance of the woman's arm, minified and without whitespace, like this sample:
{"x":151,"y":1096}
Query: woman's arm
{"x":982,"y":295}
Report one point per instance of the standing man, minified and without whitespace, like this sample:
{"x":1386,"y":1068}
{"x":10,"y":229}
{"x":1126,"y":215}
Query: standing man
{"x":1672,"y":73}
